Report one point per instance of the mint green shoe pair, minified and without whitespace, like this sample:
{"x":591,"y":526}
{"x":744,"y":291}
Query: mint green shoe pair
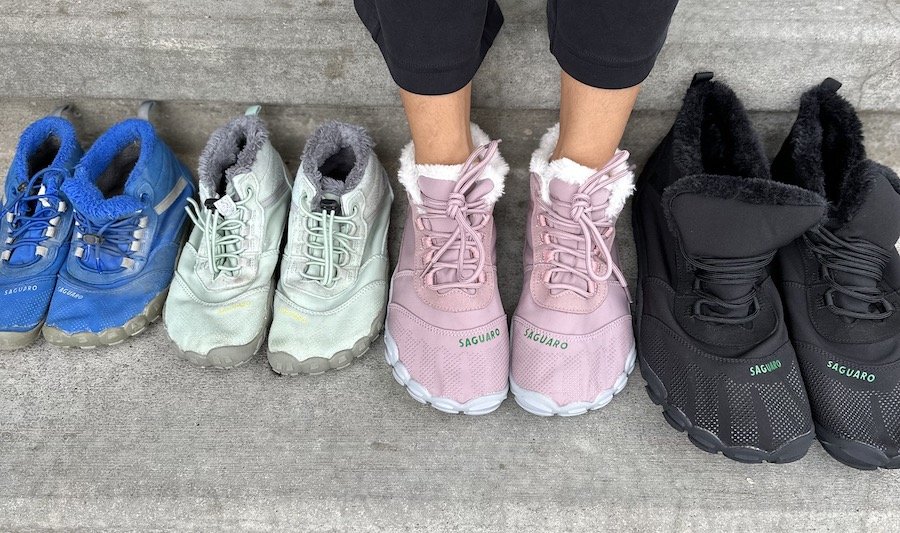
{"x":330,"y":297}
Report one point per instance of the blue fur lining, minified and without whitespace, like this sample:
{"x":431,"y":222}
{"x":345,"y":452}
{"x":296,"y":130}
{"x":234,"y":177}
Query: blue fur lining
{"x":82,"y":189}
{"x":36,"y":134}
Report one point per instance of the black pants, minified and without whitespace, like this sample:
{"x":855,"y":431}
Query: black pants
{"x":436,"y":46}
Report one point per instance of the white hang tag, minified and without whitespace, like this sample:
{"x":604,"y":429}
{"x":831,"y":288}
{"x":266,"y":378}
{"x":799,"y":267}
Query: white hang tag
{"x":226,"y":206}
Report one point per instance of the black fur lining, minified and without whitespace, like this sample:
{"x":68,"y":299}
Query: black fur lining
{"x":713,"y":134}
{"x":856,"y":186}
{"x":825,"y":143}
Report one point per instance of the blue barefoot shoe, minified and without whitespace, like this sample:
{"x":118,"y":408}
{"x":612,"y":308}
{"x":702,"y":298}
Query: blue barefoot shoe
{"x":129,"y":195}
{"x":35,"y":227}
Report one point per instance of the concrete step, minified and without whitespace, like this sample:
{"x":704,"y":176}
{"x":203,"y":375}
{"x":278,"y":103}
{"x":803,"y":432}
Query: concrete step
{"x":129,"y":438}
{"x":317,"y":52}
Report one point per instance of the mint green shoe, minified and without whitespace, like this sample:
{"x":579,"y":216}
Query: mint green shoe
{"x":333,"y":288}
{"x":219,"y":305}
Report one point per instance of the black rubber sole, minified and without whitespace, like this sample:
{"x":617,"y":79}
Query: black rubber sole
{"x":855,"y":454}
{"x":788,"y":452}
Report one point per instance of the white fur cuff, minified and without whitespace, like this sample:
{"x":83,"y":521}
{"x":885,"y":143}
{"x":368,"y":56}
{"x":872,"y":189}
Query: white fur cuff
{"x":569,"y":171}
{"x":410,"y":171}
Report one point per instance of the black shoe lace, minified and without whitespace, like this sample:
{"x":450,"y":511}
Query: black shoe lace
{"x":857,"y":258}
{"x":745,"y":271}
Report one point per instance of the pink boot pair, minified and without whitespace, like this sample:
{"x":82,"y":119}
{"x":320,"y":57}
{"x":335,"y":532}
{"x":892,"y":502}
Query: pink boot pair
{"x":446,"y":333}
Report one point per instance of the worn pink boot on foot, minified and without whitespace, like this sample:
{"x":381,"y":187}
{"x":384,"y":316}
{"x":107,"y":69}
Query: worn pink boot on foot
{"x":573,"y":346}
{"x":446,"y":333}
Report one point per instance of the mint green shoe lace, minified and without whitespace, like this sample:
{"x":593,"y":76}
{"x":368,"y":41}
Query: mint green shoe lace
{"x":222,"y":234}
{"x":329,"y":246}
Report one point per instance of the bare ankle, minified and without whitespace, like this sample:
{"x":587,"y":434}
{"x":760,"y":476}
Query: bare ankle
{"x":440,"y":126}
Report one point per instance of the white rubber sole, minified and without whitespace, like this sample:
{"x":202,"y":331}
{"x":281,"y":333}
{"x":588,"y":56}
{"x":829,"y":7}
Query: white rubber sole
{"x":476,"y":406}
{"x":541,"y":405}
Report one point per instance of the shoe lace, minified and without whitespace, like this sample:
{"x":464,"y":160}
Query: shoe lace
{"x":223,"y":234}
{"x":728,"y":271}
{"x":30,"y":211}
{"x":580,"y":228}
{"x":118,"y":238}
{"x":467,"y":238}
{"x":857,"y":258}
{"x":329,"y":246}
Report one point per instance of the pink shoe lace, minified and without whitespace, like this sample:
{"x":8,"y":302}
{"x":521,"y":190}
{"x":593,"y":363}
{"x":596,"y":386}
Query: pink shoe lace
{"x":590,"y":237}
{"x":460,"y":251}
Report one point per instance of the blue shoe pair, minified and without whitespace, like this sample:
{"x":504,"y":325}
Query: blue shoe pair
{"x":89,"y":241}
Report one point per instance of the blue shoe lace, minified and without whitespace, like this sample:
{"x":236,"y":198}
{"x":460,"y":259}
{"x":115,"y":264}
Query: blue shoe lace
{"x":120,"y":238}
{"x":33,"y":216}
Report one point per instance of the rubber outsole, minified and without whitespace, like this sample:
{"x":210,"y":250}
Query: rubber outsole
{"x":788,"y":452}
{"x":223,"y":357}
{"x":855,"y":454}
{"x":542,"y":405}
{"x":111,"y":336}
{"x":227,"y":357}
{"x":14,"y":340}
{"x":288,"y":365}
{"x":476,"y":406}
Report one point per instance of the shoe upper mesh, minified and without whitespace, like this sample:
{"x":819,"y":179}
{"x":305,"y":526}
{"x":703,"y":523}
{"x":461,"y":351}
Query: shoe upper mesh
{"x":868,"y":416}
{"x":458,"y":374}
{"x":726,"y":407}
{"x":588,"y":366}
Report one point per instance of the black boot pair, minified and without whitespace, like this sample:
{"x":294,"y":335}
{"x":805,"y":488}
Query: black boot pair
{"x":769,"y":298}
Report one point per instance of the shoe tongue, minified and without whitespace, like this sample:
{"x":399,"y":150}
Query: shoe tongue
{"x":730,"y":217}
{"x":735,"y":217}
{"x":869,"y":207}
{"x":438,"y":190}
{"x":562,"y":194}
{"x":26,"y":254}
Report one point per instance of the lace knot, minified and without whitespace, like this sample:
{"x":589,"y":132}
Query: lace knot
{"x":580,"y":204}
{"x":456,"y":205}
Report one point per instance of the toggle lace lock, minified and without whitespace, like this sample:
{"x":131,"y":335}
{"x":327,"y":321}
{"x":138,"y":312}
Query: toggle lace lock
{"x":92,"y":239}
{"x":330,"y":205}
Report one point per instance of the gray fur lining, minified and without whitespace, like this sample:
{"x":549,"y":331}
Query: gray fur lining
{"x":231,"y":151}
{"x":340,"y":146}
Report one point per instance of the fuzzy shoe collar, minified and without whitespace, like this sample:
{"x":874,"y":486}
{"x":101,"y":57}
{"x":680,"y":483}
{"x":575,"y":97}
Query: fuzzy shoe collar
{"x":410,"y":171}
{"x":569,"y":171}
{"x":230,"y":152}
